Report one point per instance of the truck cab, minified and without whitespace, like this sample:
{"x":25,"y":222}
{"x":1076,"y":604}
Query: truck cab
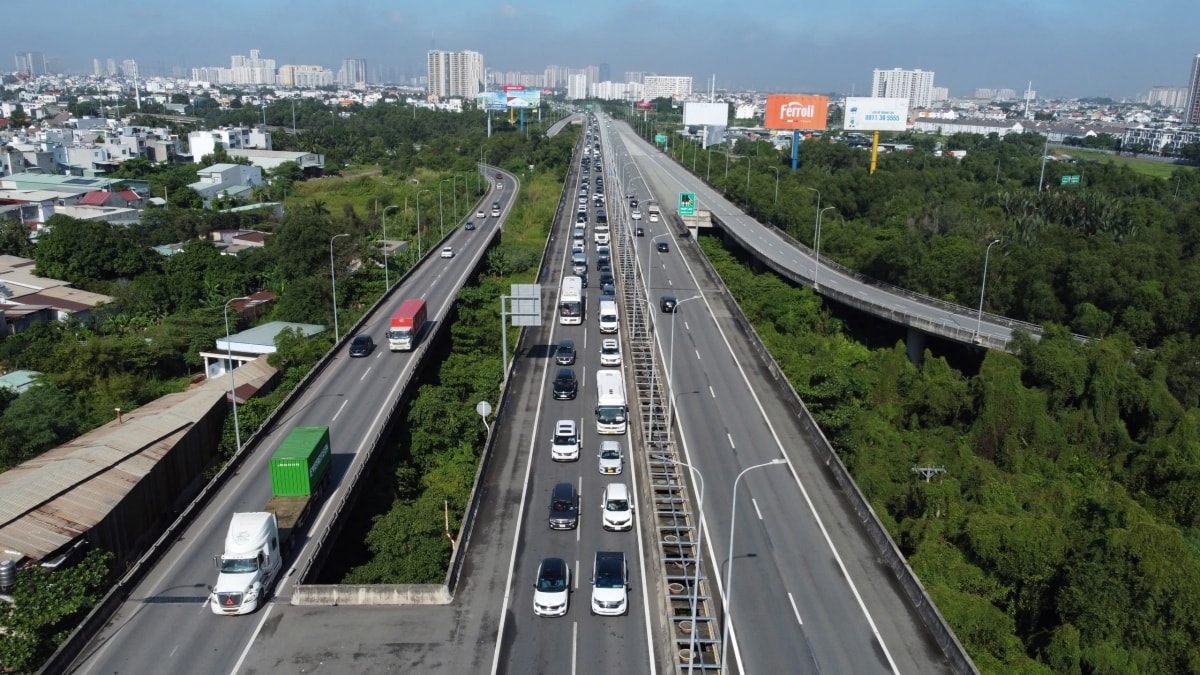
{"x":249,"y":565}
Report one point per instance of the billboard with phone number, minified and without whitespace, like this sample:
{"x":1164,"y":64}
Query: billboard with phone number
{"x":876,"y":114}
{"x":795,"y":111}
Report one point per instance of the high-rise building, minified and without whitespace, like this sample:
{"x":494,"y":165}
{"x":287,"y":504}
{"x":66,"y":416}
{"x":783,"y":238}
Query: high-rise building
{"x":353,"y":73}
{"x":633,"y":76}
{"x":666,"y":86}
{"x":129,"y":68}
{"x":305,"y":77}
{"x":111,"y":68}
{"x":454,"y":74}
{"x":914,"y":85}
{"x":1170,"y":97}
{"x":97,"y":68}
{"x":577,"y":86}
{"x":252,"y":69}
{"x":31,"y":63}
{"x":1191,"y":111}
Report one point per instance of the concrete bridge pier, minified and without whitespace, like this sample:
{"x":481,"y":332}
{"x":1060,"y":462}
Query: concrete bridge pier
{"x":914,"y":345}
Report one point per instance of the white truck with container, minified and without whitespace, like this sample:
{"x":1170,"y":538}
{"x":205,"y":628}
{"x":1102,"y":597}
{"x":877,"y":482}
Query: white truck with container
{"x":257,"y":541}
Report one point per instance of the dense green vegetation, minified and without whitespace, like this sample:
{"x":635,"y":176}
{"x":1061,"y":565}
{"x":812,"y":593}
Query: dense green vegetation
{"x":1064,"y":535}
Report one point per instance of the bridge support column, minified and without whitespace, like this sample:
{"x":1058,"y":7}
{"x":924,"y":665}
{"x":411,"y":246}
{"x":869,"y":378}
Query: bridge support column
{"x":915,"y":346}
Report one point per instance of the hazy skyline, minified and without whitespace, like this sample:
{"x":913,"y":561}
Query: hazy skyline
{"x":1066,"y":47}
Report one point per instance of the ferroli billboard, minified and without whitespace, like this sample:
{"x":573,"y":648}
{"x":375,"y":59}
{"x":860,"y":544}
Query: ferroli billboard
{"x":876,"y":114}
{"x":795,"y":111}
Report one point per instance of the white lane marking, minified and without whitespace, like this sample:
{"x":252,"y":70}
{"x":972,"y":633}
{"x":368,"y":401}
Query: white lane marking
{"x":755,"y":503}
{"x":686,"y":326}
{"x":574,"y":647}
{"x":697,"y":351}
{"x":711,"y":392}
{"x":795,"y":609}
{"x":339,"y":410}
{"x":246,"y":652}
{"x":364,"y":375}
{"x":730,"y":437}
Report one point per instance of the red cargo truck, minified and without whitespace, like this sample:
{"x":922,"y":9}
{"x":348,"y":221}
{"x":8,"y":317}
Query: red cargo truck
{"x":407,"y":324}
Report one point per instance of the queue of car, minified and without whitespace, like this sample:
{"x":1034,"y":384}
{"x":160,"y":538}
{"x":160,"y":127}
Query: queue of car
{"x":610,"y":573}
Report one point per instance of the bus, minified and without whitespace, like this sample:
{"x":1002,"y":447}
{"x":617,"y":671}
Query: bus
{"x":571,"y":301}
{"x":611,"y":409}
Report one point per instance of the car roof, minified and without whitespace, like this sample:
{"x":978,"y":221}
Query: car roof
{"x":566,"y":342}
{"x":613,"y":445}
{"x":566,"y":372}
{"x":565,"y":425}
{"x":609,"y":343}
{"x":554,"y":566}
{"x":616,"y":491}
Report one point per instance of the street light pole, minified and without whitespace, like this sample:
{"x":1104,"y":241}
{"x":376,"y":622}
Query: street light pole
{"x":386,"y":280}
{"x":420,"y":249}
{"x":237,"y":427}
{"x":817,"y":243}
{"x":333,"y":285}
{"x":441,"y":209}
{"x":983,"y":286}
{"x":729,"y":563}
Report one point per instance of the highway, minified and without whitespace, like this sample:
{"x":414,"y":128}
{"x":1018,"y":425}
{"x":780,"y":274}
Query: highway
{"x":578,"y":642}
{"x":166,"y":626}
{"x":808,"y":594}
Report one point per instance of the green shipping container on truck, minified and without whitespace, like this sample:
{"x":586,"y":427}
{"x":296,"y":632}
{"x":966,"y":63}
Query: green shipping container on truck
{"x":301,"y":461}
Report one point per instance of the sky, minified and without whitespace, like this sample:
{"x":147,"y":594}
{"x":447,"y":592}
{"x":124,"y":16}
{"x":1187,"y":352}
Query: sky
{"x":1067,"y":48}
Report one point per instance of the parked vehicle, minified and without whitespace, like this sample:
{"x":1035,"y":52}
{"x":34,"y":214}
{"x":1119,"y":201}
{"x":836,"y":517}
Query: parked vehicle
{"x":257,"y":542}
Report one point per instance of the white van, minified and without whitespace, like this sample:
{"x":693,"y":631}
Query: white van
{"x":609,"y":318}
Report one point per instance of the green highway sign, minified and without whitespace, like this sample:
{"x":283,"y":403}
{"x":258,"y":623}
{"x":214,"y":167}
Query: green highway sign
{"x":660,"y":138}
{"x":1070,"y":180}
{"x":687,"y":203}
{"x":589,"y":106}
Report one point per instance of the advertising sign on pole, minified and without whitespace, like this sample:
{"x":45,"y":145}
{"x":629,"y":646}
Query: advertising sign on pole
{"x":645,"y":104}
{"x":792,"y":111}
{"x":876,"y":114}
{"x":687,"y":203}
{"x":705,"y":113}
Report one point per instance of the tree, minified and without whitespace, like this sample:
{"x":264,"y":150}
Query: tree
{"x":45,"y":606}
{"x":41,"y":418}
{"x":80,"y":251}
{"x":14,"y":238}
{"x":19,"y":119}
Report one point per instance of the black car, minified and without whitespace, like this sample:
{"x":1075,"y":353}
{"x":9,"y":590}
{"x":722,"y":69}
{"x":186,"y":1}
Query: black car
{"x":582,"y":279}
{"x":668,"y":303}
{"x":564,"y":355}
{"x":608,"y":292}
{"x":662,"y":247}
{"x":607,"y":279}
{"x":603,"y":265}
{"x":633,"y":203}
{"x":564,"y":507}
{"x":469,"y":226}
{"x":565,"y":385}
{"x":361,"y":345}
{"x":640,"y":231}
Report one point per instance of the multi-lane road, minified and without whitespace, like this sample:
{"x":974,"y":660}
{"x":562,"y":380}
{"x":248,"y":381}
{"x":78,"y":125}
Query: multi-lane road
{"x":166,"y":626}
{"x":808,"y":594}
{"x":578,"y":642}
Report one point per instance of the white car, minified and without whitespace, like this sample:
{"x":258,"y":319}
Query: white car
{"x":610,"y":352}
{"x":552,"y":590}
{"x":618,"y":508}
{"x":565,"y":444}
{"x":636,"y":215}
{"x":611,"y":459}
{"x":480,"y":215}
{"x":448,"y":252}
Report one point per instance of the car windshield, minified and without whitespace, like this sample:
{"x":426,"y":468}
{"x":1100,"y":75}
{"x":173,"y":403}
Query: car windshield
{"x":610,"y":454}
{"x":550,"y":584}
{"x":564,"y":440}
{"x":563,"y":505}
{"x":617,"y":505}
{"x":609,"y":577}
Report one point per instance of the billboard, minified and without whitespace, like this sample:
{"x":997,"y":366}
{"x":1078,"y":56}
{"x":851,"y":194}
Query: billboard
{"x":876,"y":114}
{"x":793,"y":111}
{"x":510,"y":98}
{"x":645,"y":104}
{"x":705,"y":113}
